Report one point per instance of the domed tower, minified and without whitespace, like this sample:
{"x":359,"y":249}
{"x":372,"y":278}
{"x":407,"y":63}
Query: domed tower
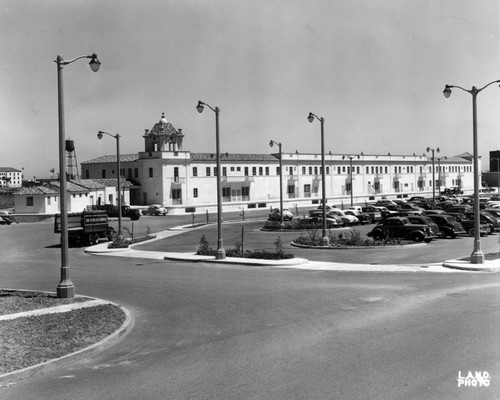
{"x":163,"y":137}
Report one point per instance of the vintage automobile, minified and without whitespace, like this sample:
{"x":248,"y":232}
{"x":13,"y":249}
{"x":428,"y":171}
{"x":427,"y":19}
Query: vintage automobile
{"x":156,"y":209}
{"x":275,"y":215}
{"x":362,"y":217}
{"x":448,"y":225}
{"x":401,"y":228}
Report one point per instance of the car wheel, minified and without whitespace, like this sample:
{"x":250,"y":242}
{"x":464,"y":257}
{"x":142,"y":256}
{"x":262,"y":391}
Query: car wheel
{"x":90,"y":239}
{"x":453,"y":235}
{"x":378,"y":235}
{"x":471,"y":232}
{"x":418,"y":237}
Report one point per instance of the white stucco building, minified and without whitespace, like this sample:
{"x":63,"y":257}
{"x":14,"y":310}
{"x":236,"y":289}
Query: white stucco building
{"x":184,"y":181}
{"x":44,"y":199}
{"x":10,"y":177}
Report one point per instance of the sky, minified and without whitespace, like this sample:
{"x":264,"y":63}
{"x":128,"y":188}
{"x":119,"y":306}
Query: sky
{"x":374,"y":70}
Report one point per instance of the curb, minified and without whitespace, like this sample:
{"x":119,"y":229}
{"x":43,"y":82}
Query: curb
{"x":106,"y":342}
{"x":488,"y":266}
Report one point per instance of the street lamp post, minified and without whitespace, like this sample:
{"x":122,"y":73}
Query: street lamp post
{"x":117,"y":137}
{"x":220,"y":253}
{"x":271,"y":143}
{"x":350,"y":174}
{"x":65,"y":288}
{"x":433,"y":175}
{"x":477,"y":256}
{"x":324,"y":238}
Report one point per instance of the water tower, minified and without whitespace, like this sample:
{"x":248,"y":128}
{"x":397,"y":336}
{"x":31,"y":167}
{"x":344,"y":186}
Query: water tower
{"x":71,"y":161}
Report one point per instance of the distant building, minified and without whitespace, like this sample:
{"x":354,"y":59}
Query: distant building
{"x":491,"y":178}
{"x":44,"y":199}
{"x":10,"y":177}
{"x":183,"y":181}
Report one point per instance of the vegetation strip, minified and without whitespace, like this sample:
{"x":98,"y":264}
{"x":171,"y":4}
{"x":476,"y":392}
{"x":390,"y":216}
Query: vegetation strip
{"x":29,"y":341}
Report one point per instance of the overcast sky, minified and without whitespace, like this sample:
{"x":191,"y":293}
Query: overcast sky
{"x":374,"y":69}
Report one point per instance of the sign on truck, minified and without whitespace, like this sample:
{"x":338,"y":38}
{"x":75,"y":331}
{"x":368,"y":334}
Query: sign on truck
{"x":86,"y":227}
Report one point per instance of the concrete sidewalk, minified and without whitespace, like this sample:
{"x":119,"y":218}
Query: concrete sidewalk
{"x":450,"y":266}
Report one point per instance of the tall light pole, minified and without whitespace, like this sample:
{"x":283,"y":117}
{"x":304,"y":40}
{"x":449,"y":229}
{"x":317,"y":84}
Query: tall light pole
{"x":117,"y":137}
{"x":350,"y":173}
{"x":220,"y":253}
{"x":477,"y":256}
{"x":271,"y":143}
{"x":65,"y":288}
{"x":324,"y":239}
{"x":439,"y":170}
{"x":433,"y":175}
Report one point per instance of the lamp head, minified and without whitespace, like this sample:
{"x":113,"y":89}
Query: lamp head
{"x":437,"y":149}
{"x":200,"y":107}
{"x":99,"y":135}
{"x":310,"y":117}
{"x":447,"y":91}
{"x":358,"y":156}
{"x":94,"y":63}
{"x":343,"y":157}
{"x":428,"y":149}
{"x":271,"y":143}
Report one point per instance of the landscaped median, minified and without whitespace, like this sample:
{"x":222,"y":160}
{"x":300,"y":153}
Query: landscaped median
{"x":38,"y":327}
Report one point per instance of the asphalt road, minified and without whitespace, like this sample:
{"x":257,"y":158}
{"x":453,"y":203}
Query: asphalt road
{"x":203,"y":331}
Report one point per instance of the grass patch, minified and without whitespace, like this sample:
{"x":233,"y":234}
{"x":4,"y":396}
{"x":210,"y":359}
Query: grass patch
{"x":31,"y":340}
{"x":351,"y":238}
{"x":204,"y":249}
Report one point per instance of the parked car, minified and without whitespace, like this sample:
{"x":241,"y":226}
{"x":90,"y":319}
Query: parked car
{"x":401,"y":228}
{"x":317,"y":218}
{"x":422,"y":219}
{"x":448,"y":225}
{"x":156,"y":209}
{"x":486,"y":218}
{"x":468,"y":225}
{"x":374,"y":212}
{"x":400,"y":214}
{"x":362,"y":217}
{"x":6,"y":219}
{"x":410,"y":207}
{"x":346,"y":218}
{"x":275,"y":215}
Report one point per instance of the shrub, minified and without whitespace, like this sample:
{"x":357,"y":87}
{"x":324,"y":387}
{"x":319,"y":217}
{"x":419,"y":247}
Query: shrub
{"x":205,"y":249}
{"x":347,"y":238}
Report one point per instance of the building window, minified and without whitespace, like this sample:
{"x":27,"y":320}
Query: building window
{"x":357,"y":170}
{"x":246,"y":171}
{"x":176,"y":174}
{"x":277,"y":171}
{"x":372,"y":170}
{"x":226,"y":192}
{"x":150,"y":172}
{"x":136,"y":172}
{"x":224,"y":171}
{"x":254,"y":171}
{"x":245,"y":191}
{"x":215,"y":171}
{"x":176,"y":195}
{"x":267,"y":170}
{"x":103,"y":174}
{"x":87,"y":174}
{"x":29,"y":201}
{"x":303,"y":170}
{"x":238,"y":169}
{"x":232,"y":169}
{"x":261,"y":171}
{"x":208,"y":171}
{"x":195,"y":192}
{"x":49,"y":200}
{"x":195,"y":171}
{"x":328,"y":170}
